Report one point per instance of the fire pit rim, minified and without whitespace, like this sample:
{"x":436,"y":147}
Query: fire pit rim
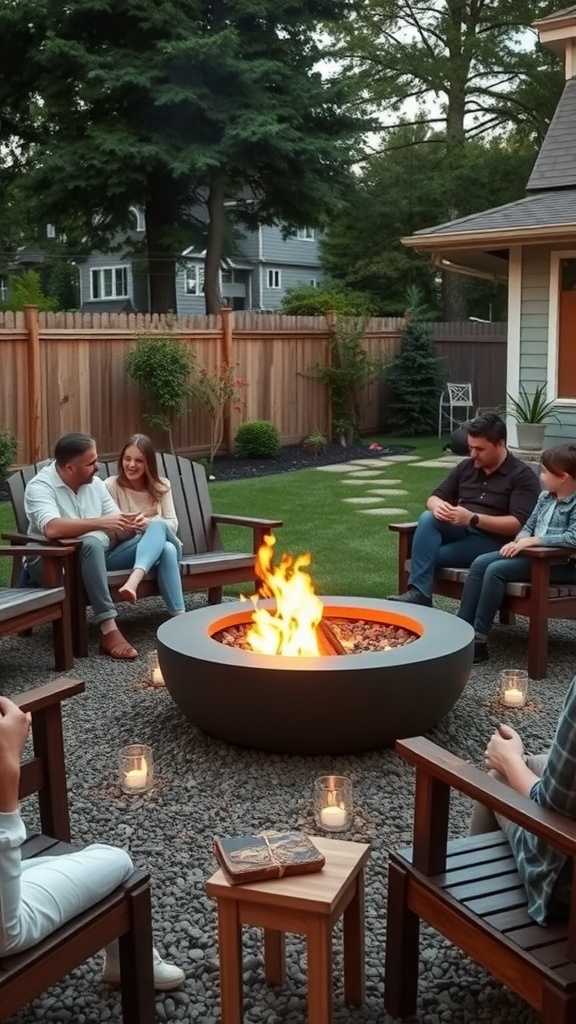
{"x":200,"y":644}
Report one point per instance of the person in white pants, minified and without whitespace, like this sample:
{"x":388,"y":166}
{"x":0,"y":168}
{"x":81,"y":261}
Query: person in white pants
{"x":37,"y":896}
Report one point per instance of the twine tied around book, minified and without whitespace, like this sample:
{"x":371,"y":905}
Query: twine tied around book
{"x":281,"y":867}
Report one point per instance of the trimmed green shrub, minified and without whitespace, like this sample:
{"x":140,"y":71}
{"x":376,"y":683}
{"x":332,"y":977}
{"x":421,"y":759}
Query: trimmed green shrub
{"x":8,"y":449}
{"x":161,"y":365}
{"x":257,"y":439}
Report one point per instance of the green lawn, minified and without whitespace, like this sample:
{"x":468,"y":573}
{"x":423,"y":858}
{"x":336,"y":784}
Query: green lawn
{"x":6,"y":523}
{"x":352,"y":553}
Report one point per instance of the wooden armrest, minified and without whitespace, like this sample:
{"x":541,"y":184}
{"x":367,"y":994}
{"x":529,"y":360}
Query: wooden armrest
{"x":402,"y":527}
{"x":39,"y":538}
{"x":246,"y":521}
{"x":50,"y":693}
{"x":29,"y":549}
{"x":549,"y":553}
{"x":440,"y":764}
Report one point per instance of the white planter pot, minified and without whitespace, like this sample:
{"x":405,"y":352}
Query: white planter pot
{"x":531,"y":436}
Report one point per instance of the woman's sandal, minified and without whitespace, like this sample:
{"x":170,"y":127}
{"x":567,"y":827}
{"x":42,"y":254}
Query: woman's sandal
{"x":116,"y":646}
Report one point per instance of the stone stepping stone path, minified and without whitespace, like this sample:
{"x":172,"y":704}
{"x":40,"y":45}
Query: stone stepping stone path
{"x":366,"y":472}
{"x":383,"y":511}
{"x":361,"y":501}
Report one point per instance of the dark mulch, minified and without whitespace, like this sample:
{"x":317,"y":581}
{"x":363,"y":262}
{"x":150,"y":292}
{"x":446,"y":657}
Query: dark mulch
{"x":296,"y":456}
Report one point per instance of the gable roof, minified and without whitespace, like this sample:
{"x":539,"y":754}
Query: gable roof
{"x":555,"y":165}
{"x":538,"y":211}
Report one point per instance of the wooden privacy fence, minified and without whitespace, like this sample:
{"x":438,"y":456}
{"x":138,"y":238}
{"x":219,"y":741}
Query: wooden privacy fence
{"x":66,"y":371}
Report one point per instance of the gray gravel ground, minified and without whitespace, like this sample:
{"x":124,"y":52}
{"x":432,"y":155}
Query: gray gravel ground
{"x":206,"y":787}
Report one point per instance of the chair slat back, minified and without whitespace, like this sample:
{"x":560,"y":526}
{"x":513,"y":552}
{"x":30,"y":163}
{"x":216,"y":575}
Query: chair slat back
{"x":191,"y":502}
{"x":16,"y":486}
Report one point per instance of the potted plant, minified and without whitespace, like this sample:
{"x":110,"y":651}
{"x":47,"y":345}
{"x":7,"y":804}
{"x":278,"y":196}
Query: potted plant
{"x":531,"y":412}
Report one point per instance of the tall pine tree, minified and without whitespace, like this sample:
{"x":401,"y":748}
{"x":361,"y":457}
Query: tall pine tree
{"x":119,"y":102}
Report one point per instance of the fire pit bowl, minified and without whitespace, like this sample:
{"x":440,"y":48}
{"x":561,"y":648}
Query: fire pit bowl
{"x":326,"y":705}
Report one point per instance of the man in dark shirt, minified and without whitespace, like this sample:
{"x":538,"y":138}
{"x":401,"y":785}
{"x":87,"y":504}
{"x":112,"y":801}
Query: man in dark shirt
{"x":481,"y":504}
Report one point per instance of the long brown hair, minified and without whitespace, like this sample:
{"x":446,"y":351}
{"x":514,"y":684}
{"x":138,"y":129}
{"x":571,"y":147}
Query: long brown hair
{"x":154,"y":485}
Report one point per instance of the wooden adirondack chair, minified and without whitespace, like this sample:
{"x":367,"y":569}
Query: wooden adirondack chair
{"x":23,"y":608}
{"x":539,"y":600}
{"x":469,"y":890}
{"x":124,"y":915}
{"x":204,"y":563}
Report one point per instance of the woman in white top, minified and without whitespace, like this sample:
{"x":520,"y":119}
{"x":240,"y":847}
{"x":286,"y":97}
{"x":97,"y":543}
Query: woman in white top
{"x":141,"y":493}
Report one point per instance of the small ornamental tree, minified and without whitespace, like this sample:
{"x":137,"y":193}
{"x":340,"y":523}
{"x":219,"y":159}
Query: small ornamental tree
{"x":217,"y":392}
{"x":350,"y":369}
{"x":162,"y":367}
{"x":415,"y":377}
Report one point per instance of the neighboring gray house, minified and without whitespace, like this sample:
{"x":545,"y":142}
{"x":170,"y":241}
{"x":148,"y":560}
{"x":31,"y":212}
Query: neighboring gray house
{"x":256,"y":277}
{"x":531,"y":245}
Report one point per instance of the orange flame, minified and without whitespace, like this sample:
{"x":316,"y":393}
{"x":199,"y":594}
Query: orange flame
{"x":291,"y":629}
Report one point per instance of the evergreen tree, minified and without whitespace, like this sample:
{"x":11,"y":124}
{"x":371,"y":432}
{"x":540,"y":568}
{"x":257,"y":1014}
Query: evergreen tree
{"x":414,"y":379}
{"x":159,"y":104}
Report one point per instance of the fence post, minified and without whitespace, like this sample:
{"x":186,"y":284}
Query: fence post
{"x":227,"y":328}
{"x":34,"y":384}
{"x":332,"y":324}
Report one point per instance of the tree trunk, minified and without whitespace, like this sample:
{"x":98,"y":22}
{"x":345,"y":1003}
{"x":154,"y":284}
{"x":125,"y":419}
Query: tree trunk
{"x":160,"y":219}
{"x":214,"y":246}
{"x":454,"y":285}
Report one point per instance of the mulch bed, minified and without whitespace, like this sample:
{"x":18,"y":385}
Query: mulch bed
{"x":297,"y":456}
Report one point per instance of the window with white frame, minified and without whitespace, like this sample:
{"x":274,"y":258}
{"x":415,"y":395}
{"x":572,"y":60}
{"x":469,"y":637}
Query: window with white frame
{"x":305,"y":234}
{"x":137,"y":217}
{"x":109,"y":283}
{"x":274,"y":279}
{"x":194,"y":279}
{"x":314,"y":282}
{"x":3,"y":288}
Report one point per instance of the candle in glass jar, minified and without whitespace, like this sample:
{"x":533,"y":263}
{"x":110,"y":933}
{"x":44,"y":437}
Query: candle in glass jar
{"x":137,"y":778}
{"x":514,"y":697}
{"x":333,"y":817}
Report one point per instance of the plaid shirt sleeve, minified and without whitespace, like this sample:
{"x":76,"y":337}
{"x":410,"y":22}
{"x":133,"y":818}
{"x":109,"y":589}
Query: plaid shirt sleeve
{"x":545,"y":872}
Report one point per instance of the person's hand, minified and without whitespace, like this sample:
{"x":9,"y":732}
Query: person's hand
{"x":14,"y":729}
{"x":116,"y":522}
{"x":461,"y":516}
{"x":139,"y":522}
{"x":514,"y":547}
{"x":505,"y":745}
{"x":443,"y":510}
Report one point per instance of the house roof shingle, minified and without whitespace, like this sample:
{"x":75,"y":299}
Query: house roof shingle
{"x":555,"y":165}
{"x":540,"y":210}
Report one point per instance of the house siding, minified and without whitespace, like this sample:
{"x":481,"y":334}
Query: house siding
{"x":534,"y":338}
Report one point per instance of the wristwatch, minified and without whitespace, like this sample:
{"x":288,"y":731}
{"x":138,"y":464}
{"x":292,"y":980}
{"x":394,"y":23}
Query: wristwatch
{"x":474,"y":521}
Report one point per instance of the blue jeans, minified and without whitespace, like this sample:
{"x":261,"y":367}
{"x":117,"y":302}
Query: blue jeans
{"x":439,"y":545}
{"x":94,"y":568}
{"x":157,"y":546}
{"x":486,"y":582}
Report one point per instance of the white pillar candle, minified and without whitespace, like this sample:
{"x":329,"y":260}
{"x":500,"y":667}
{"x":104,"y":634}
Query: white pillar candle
{"x":137,"y":777}
{"x":333,"y":817}
{"x":514,"y":697}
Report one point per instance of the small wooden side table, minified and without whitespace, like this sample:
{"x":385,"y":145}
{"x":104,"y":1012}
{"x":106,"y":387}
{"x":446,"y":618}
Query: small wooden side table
{"x":308,"y":905}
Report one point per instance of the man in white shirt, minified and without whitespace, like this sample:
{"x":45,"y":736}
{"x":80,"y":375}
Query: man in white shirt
{"x":67,"y":500}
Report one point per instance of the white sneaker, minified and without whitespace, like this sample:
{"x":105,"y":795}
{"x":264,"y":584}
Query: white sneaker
{"x":166,"y":976}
